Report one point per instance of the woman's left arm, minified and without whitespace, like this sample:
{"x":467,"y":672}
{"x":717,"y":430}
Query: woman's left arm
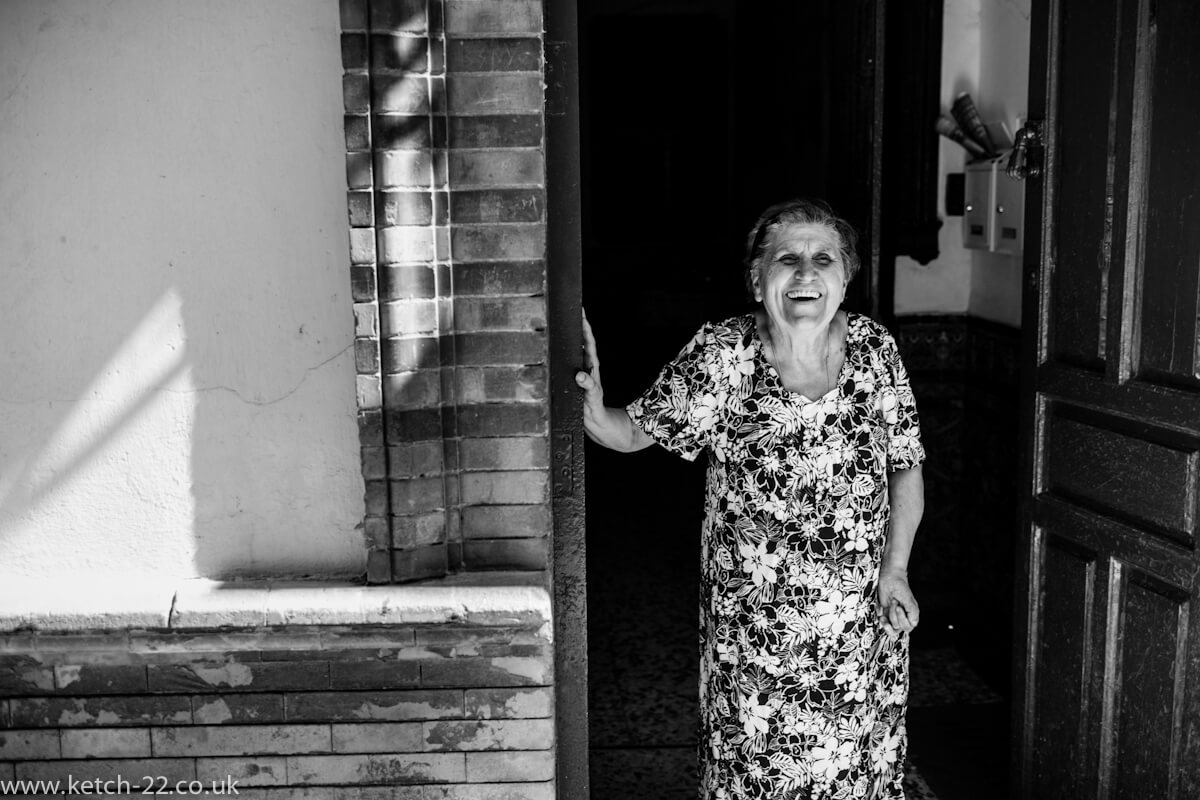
{"x":906,"y":493}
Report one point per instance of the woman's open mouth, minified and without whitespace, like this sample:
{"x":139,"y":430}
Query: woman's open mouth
{"x":803,"y":294}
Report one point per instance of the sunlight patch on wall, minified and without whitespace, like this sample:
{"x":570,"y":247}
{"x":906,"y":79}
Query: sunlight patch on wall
{"x":119,"y":453}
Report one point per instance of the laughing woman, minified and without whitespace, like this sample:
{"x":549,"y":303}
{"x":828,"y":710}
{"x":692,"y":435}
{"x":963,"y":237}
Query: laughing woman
{"x":814,"y":493}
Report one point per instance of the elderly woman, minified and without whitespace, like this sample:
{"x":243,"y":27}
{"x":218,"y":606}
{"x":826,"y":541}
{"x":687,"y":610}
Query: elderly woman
{"x":814,"y":494}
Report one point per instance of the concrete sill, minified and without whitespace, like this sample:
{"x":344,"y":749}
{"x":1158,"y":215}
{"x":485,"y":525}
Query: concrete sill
{"x":499,"y":599}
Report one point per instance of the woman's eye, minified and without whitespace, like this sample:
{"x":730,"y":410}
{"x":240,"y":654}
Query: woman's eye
{"x":823,"y":258}
{"x":788,"y":261}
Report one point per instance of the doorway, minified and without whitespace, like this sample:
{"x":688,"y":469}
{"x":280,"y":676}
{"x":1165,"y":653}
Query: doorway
{"x":695,"y":117}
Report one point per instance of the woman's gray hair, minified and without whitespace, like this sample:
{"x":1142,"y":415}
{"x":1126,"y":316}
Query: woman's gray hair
{"x":797,"y":212}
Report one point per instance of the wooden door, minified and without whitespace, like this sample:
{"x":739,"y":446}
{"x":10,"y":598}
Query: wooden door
{"x":1107,"y":678}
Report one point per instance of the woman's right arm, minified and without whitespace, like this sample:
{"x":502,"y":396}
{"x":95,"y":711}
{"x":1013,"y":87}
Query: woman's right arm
{"x":610,"y":427}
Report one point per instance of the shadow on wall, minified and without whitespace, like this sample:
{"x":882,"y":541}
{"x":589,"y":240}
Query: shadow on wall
{"x":176,"y":384}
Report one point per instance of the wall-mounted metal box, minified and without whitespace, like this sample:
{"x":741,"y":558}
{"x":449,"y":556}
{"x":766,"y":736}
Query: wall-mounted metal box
{"x":994,"y":214}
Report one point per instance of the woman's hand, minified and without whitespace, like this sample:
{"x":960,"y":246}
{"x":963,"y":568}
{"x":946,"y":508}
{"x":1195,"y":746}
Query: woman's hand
{"x":897,"y":607}
{"x":610,"y":427}
{"x":593,"y":392}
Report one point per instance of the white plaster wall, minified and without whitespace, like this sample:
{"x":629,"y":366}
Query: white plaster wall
{"x":176,"y":360}
{"x":943,"y":286}
{"x":985,"y":51}
{"x":1003,"y":95}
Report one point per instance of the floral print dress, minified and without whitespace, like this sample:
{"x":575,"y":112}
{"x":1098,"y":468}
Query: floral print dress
{"x":802,"y":692}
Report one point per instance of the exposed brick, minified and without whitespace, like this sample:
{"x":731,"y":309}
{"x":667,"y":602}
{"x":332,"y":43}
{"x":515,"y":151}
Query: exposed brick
{"x":21,"y":675}
{"x":354,"y":51}
{"x":377,"y":769}
{"x":512,"y":16}
{"x":17,"y":745}
{"x":404,"y":244}
{"x":356,"y":89}
{"x":368,"y":391}
{"x":238,"y":677}
{"x":398,"y":15}
{"x":374,"y":674}
{"x":404,"y":208}
{"x":496,"y":168}
{"x":401,"y":317}
{"x":430,"y":561}
{"x":491,"y":639}
{"x":45,"y":712}
{"x":379,"y":567}
{"x":487,"y":349}
{"x":515,"y":554}
{"x":494,"y":55}
{"x":366,"y":356}
{"x":499,"y":242}
{"x":507,"y":487}
{"x":412,"y":389}
{"x":521,"y":734}
{"x":410,"y":353}
{"x":498,"y":205}
{"x":360,"y":209}
{"x":498,"y":522}
{"x":502,"y":130}
{"x":407,"y":281}
{"x":509,"y":703}
{"x":499,"y":278}
{"x":413,"y":168}
{"x":402,"y":132}
{"x":241,"y":740}
{"x":358,"y":132}
{"x":379,"y":737}
{"x":391,"y":706}
{"x":376,"y":498}
{"x":171,"y":770}
{"x":374,"y":463}
{"x":501,"y":419}
{"x":353,"y":14}
{"x":399,"y":53}
{"x":101,"y":678}
{"x":362,"y":246}
{"x":499,"y":384}
{"x":504,"y":453}
{"x":420,"y":529}
{"x":358,"y":170}
{"x":493,"y":93}
{"x":530,"y":765}
{"x":6,"y":720}
{"x":437,"y":56}
{"x":413,"y":495}
{"x":237,"y":708}
{"x":362,"y":284}
{"x":413,"y":426}
{"x":370,"y":427}
{"x":416,"y":458}
{"x":8,"y":772}
{"x":247,"y":771}
{"x":499,"y":313}
{"x":106,"y":743}
{"x":366,"y":319}
{"x":478,"y":671}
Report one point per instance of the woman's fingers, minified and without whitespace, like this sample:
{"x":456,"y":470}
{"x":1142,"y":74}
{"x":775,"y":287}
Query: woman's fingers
{"x":590,"y":380}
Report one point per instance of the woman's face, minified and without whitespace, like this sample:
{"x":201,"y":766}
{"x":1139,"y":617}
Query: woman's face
{"x":801,"y":279}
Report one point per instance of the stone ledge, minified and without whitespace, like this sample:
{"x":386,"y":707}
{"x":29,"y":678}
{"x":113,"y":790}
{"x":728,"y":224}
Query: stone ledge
{"x":487,"y":599}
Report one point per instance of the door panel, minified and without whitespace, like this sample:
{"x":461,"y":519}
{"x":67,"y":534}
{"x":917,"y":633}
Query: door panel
{"x":1146,"y":691}
{"x":1108,"y":673}
{"x":1078,"y":290}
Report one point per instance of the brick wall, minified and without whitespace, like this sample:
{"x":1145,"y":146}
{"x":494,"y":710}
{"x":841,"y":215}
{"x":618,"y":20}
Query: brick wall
{"x":454,"y":711}
{"x":446,"y":171}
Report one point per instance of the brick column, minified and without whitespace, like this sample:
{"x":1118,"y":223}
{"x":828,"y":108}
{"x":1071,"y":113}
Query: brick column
{"x":444,"y":103}
{"x":497,"y":210}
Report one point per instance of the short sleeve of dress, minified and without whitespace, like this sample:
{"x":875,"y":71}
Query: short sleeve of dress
{"x":681,"y":407}
{"x":899,"y":409}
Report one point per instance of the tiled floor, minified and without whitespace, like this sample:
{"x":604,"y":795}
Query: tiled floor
{"x":642,"y":658}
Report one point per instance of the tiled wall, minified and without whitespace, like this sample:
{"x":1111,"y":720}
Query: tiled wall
{"x":461,"y":712}
{"x":446,"y":171}
{"x":965,"y":374}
